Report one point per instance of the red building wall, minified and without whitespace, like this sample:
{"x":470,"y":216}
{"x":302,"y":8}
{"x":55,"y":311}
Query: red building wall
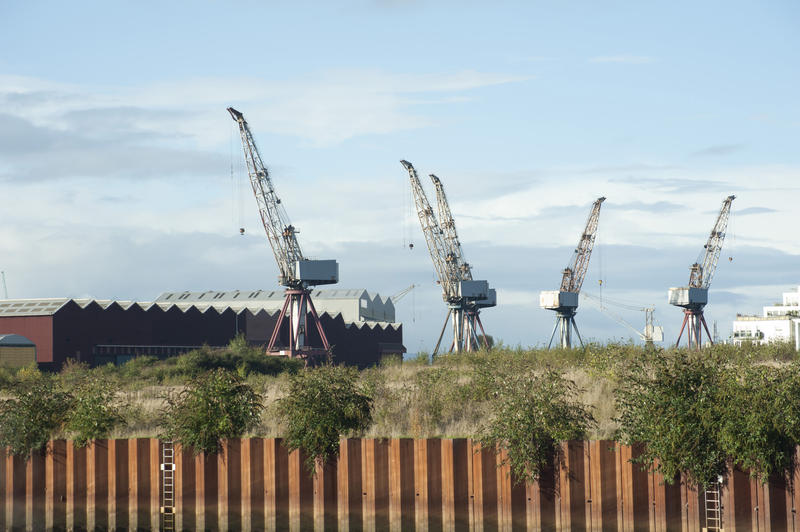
{"x":37,"y":329}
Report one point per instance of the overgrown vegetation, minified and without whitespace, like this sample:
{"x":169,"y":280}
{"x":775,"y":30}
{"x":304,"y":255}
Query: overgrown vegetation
{"x":698,"y":413}
{"x":35,"y":412}
{"x":531,"y":415}
{"x":213,"y":406}
{"x":321,"y":406}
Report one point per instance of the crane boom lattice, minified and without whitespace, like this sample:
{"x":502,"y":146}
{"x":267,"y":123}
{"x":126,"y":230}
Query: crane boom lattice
{"x":694,"y":297}
{"x":574,"y":274}
{"x":281,"y":233}
{"x":464,"y":295}
{"x":296,"y":272}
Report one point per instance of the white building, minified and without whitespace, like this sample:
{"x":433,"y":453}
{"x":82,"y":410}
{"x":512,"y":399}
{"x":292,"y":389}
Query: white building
{"x":779,"y":323}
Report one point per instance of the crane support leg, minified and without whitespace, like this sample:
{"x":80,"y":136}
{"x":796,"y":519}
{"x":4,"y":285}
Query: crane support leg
{"x":480,"y":324}
{"x":276,"y":331}
{"x":318,"y":322}
{"x":705,"y":326}
{"x":441,"y":334}
{"x":550,"y":344}
{"x":572,"y":320}
{"x":685,"y":319}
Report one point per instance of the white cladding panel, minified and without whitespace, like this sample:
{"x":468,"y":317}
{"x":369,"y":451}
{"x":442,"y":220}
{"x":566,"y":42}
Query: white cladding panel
{"x":317,"y":271}
{"x":552,"y":299}
{"x":473,"y":289}
{"x":685,"y":295}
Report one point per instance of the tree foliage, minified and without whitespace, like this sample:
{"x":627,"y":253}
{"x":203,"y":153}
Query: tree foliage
{"x":213,"y":406}
{"x":761,"y":421}
{"x":322,"y":405}
{"x":94,"y":410}
{"x":532,"y":413}
{"x":697,"y":413}
{"x":670,"y":401}
{"x":36,"y":410}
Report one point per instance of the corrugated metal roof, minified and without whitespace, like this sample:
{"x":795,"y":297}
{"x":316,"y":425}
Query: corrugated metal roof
{"x":31,"y":307}
{"x":355,"y":305}
{"x":15,"y":340}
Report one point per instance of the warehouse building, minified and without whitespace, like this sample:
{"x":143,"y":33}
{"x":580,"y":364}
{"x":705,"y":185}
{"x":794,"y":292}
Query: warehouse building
{"x":777,"y":323}
{"x":360,"y":327}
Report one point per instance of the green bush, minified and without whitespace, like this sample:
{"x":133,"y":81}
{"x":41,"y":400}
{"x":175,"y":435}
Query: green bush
{"x":238,"y":356}
{"x":674,"y":403}
{"x":94,"y":410}
{"x":35,"y":412}
{"x":213,"y":406}
{"x":532,"y":413}
{"x":323,"y":404}
{"x":761,"y":418}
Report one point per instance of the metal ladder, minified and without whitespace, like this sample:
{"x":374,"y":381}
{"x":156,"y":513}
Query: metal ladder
{"x":167,"y":486}
{"x":713,"y":507}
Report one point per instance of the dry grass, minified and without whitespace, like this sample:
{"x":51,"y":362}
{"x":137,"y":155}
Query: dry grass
{"x":444,"y":398}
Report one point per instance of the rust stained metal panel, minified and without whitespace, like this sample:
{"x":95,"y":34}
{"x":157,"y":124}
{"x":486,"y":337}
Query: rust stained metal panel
{"x":401,"y":484}
{"x":604,"y":493}
{"x":433,"y":500}
{"x":349,"y":482}
{"x":222,"y":460}
{"x":368,"y":484}
{"x":144,"y":480}
{"x":154,"y":477}
{"x":489,"y":489}
{"x":325,"y":496}
{"x":184,"y":489}
{"x":118,"y":485}
{"x":775,"y":502}
{"x":76,"y":485}
{"x":257,"y":482}
{"x":476,"y":470}
{"x":690,"y":506}
{"x":281,"y":486}
{"x":133,"y":483}
{"x":343,"y":483}
{"x":269,"y":484}
{"x":55,"y":486}
{"x":421,"y":485}
{"x":16,"y":492}
{"x":448,"y":486}
{"x":381,"y":483}
{"x":246,"y":484}
{"x":199,"y":492}
{"x":35,"y":491}
{"x":461,"y":451}
{"x":93,"y":486}
{"x":503,"y":480}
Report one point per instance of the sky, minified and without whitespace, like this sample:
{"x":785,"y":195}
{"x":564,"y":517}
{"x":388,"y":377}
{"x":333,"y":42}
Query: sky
{"x":122,"y":174}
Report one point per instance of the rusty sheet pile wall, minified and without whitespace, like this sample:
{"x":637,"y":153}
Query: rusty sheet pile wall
{"x":399,"y":484}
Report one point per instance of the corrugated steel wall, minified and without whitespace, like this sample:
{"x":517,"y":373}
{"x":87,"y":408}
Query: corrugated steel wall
{"x":400,"y":484}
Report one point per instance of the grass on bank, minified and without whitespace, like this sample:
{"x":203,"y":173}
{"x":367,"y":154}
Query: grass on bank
{"x":449,"y":396}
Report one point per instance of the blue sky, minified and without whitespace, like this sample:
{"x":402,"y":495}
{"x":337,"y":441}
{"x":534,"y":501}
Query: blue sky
{"x":116,"y":151}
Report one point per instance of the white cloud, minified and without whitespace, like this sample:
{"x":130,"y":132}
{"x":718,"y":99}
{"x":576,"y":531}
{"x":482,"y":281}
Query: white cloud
{"x":325,"y":108}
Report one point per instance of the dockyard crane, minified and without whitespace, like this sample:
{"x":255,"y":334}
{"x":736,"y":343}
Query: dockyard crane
{"x":694,"y":297}
{"x":295,"y":272}
{"x":463,"y":295}
{"x":565,"y":300}
{"x":471,"y":310}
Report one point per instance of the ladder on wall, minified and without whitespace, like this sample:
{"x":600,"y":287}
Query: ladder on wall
{"x":167,"y":486}
{"x":713,"y":507}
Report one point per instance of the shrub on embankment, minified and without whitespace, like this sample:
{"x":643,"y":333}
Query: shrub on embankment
{"x":699,"y":413}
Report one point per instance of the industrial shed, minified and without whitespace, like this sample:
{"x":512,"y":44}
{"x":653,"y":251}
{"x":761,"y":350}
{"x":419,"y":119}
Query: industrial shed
{"x":102,"y":331}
